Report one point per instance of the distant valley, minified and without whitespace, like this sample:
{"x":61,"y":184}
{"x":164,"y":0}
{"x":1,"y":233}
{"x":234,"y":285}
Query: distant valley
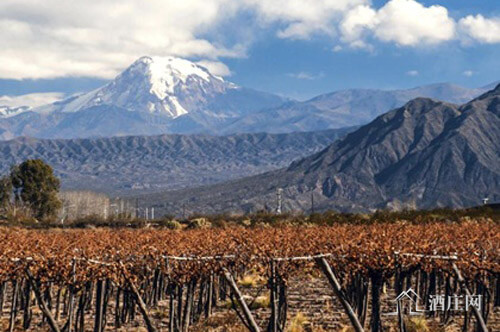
{"x":423,"y":155}
{"x":171,"y":132}
{"x":135,"y":164}
{"x":157,"y":95}
{"x":345,"y":108}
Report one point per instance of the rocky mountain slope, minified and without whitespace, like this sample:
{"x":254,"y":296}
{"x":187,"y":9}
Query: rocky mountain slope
{"x":345,"y":108}
{"x":160,"y":95}
{"x":425,"y":154}
{"x":6,"y":111}
{"x":135,"y":164}
{"x":155,"y":95}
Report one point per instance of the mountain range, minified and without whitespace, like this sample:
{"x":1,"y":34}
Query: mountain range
{"x":155,"y":95}
{"x":6,"y":111}
{"x":345,"y":108}
{"x":234,"y":147}
{"x":138,"y":164}
{"x":426,"y":154}
{"x":160,"y":95}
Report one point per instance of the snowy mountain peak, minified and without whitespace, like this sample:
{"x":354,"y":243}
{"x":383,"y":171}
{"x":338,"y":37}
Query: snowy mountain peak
{"x":7,"y":112}
{"x":166,"y":72}
{"x":165,"y":86}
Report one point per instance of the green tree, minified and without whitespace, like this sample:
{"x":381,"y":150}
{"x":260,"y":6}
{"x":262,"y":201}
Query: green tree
{"x":36,"y":185}
{"x":5,"y":191}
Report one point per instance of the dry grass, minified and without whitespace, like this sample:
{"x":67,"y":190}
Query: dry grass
{"x":261,"y":302}
{"x":227,"y":322}
{"x":347,"y":329}
{"x":159,"y":313}
{"x":132,"y":329}
{"x":251,"y":280}
{"x":298,"y":323}
{"x":416,"y":324}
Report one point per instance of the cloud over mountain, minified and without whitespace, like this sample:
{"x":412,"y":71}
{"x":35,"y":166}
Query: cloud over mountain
{"x":424,"y":155}
{"x":99,"y":38}
{"x":31,"y":99}
{"x":154,"y":95}
{"x":481,"y":29}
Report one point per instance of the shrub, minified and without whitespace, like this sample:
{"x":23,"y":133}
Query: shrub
{"x":417,"y":324}
{"x":260,"y":302}
{"x":170,"y":224}
{"x":200,"y":223}
{"x":251,"y":280}
{"x":298,"y":323}
{"x":5,"y":192}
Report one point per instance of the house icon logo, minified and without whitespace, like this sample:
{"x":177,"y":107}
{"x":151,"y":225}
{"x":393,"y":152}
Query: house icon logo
{"x":408,"y":303}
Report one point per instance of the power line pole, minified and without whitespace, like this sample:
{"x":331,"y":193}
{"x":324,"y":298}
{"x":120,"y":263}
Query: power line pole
{"x":279,"y":193}
{"x":137,"y":207}
{"x":312,"y":202}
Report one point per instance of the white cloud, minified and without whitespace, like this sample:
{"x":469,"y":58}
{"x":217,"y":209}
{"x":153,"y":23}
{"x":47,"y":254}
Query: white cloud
{"x":32,"y":99}
{"x":337,"y":48}
{"x":303,"y":18}
{"x":404,"y":22}
{"x":303,"y":75}
{"x":53,"y":38}
{"x":356,"y":21}
{"x":481,"y":29}
{"x":409,"y":23}
{"x":215,"y":67}
{"x":95,"y":38}
{"x":468,"y":73}
{"x":412,"y":73}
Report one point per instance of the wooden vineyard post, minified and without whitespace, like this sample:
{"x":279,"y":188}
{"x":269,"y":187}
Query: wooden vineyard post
{"x":41,"y":303}
{"x":3,"y":290}
{"x":325,"y":267}
{"x":401,"y":321}
{"x":273,"y":324}
{"x":171,"y":323}
{"x":398,"y":286}
{"x":463,"y":284}
{"x":252,"y":325}
{"x":139,"y":300}
{"x":13,"y":310}
{"x":377,"y":285}
{"x":99,"y":304}
{"x":186,"y":319}
{"x":210,"y":295}
{"x":27,"y":306}
{"x":71,"y":305}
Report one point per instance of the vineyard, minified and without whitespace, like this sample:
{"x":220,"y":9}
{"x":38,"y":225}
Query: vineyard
{"x":164,"y":280}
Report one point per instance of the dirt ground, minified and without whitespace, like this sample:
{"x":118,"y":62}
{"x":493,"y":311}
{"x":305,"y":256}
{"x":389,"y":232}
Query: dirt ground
{"x":311,"y":308}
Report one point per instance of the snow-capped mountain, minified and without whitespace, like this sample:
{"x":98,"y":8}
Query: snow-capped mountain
{"x":158,"y":85}
{"x":162,"y":95}
{"x":345,"y":108}
{"x":426,"y":154}
{"x":155,"y":95}
{"x":6,"y":111}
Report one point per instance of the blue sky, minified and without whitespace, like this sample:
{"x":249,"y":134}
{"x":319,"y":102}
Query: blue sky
{"x":389,"y":67}
{"x":294,"y":48}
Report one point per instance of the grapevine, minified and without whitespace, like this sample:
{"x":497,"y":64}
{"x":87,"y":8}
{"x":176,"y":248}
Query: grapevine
{"x":138,"y":268}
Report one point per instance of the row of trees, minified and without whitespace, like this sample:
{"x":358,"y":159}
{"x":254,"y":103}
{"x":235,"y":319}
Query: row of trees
{"x":33,"y":186}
